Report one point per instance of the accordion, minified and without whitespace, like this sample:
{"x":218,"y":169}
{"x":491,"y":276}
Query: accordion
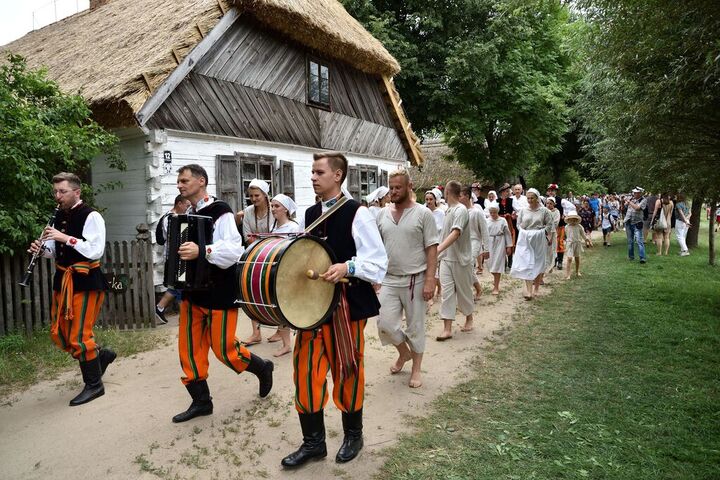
{"x":187,"y":274}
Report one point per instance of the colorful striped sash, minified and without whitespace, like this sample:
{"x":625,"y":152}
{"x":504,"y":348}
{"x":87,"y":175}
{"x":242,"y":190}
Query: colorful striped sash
{"x":347,"y":356}
{"x":66,"y":286}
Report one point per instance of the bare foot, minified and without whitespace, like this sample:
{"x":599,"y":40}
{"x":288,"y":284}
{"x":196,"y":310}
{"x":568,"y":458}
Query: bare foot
{"x":443,"y":336}
{"x":285,"y":349}
{"x":468,"y":327}
{"x":399,"y":364}
{"x":252,"y":340}
{"x":567,"y":277}
{"x":274,"y":338}
{"x":495,"y":291}
{"x":415,"y":381}
{"x":579,"y":274}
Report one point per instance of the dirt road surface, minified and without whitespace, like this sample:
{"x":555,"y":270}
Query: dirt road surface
{"x":127,"y":434}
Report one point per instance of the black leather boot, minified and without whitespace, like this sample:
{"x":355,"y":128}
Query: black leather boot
{"x":313,"y":446}
{"x":92,"y":376}
{"x":509,"y":261}
{"x":560,"y":257}
{"x":106,"y":357}
{"x":201,"y":404}
{"x":353,"y":441}
{"x":263,"y":369}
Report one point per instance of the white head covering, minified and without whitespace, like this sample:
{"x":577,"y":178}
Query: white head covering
{"x":346,"y":192}
{"x":438,"y":193}
{"x":286,"y":202}
{"x":474,"y":198}
{"x":376,"y":194}
{"x":535,"y":191}
{"x":494,"y":193}
{"x":260,"y":184}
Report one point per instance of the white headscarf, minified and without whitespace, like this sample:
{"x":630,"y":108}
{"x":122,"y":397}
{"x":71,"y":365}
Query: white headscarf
{"x":260,"y":184}
{"x":494,"y":193}
{"x":535,"y":191}
{"x":376,"y":195}
{"x":286,"y":202}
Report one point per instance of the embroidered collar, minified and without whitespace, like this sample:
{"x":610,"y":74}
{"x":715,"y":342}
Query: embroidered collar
{"x":204,"y":202}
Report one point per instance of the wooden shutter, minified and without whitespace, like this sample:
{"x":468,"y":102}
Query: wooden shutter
{"x":228,"y":181}
{"x":384,"y":178}
{"x":287,"y":179}
{"x":353,"y":182}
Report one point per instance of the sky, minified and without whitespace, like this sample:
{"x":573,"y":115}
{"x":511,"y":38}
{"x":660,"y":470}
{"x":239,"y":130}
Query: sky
{"x":16,"y":16}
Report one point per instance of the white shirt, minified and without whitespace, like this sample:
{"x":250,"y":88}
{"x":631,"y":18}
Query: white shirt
{"x":251,"y":224}
{"x":226,"y":249}
{"x":478,"y":227}
{"x":519,"y":203}
{"x":289,"y":227}
{"x":93,"y":245}
{"x":370,"y":258}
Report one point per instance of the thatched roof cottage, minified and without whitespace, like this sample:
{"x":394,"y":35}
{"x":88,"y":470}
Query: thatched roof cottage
{"x":246,"y":88}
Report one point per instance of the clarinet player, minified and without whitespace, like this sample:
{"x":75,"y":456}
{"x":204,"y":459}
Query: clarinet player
{"x":77,"y":242}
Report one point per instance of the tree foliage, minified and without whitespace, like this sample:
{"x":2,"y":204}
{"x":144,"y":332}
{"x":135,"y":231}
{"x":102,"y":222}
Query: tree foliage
{"x":492,"y":75}
{"x":651,"y":92}
{"x":43,"y":131}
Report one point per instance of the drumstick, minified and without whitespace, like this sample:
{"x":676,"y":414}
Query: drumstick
{"x":313,"y":275}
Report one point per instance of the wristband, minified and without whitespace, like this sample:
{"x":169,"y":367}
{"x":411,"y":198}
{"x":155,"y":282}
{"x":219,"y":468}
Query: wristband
{"x":350,"y":267}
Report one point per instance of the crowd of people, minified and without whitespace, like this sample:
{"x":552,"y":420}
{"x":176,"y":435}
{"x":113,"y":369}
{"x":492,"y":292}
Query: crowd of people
{"x":393,"y":259}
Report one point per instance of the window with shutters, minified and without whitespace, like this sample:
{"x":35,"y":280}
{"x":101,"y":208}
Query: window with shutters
{"x":318,"y":82}
{"x":383,"y":178}
{"x":362,"y":179}
{"x":235,"y":172}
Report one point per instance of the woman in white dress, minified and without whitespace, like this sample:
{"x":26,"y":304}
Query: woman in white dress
{"x":500,"y":246}
{"x":492,"y":199}
{"x":283,"y":209}
{"x":534,"y":225}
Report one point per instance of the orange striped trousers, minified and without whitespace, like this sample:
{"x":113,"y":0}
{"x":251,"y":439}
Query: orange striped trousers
{"x":202,"y":329}
{"x":313,"y":356}
{"x":75,"y":335}
{"x":561,"y":239}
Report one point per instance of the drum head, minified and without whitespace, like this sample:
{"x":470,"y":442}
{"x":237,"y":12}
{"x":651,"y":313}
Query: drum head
{"x":305,"y":303}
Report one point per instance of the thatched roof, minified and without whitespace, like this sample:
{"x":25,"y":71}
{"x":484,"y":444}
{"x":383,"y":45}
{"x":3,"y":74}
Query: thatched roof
{"x":438,"y":169}
{"x":117,"y":54}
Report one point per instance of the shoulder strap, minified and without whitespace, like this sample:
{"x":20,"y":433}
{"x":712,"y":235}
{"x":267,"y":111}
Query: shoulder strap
{"x":327,"y":214}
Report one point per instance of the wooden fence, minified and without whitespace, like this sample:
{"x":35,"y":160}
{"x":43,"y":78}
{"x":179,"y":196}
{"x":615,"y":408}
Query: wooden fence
{"x":130,"y":302}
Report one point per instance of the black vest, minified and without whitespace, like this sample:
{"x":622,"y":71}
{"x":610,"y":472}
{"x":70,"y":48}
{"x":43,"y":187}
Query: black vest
{"x":223,"y":291}
{"x":71,"y":223}
{"x":505,"y":206}
{"x":558,"y":205}
{"x":361,"y":297}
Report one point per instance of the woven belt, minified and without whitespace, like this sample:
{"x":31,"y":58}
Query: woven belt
{"x":66,"y":286}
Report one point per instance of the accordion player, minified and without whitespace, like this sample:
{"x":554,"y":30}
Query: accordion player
{"x":187,"y":274}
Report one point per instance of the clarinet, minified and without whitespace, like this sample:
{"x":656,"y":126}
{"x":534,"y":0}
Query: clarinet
{"x":28,"y":273}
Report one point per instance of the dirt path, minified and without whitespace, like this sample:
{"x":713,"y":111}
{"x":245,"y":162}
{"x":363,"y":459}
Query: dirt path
{"x":128,"y":433}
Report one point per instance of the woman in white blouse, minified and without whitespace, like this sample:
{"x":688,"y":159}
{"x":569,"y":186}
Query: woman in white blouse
{"x":534,"y":223}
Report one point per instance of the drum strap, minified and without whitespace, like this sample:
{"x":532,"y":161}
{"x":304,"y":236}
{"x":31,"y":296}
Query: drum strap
{"x":347,"y":356}
{"x":327,"y":214}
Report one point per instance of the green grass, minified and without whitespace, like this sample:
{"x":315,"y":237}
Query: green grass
{"x":615,"y":376}
{"x":27,"y":359}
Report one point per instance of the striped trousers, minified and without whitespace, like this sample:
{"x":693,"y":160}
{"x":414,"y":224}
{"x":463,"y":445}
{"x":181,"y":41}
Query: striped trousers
{"x":202,"y":329}
{"x":561,"y":239}
{"x":75,"y":335}
{"x":313,"y":356}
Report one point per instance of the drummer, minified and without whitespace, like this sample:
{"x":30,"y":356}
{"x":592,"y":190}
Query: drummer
{"x":283,"y":209}
{"x":338,"y":345}
{"x":257,"y":219}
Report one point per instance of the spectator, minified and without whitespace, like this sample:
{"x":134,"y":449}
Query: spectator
{"x":661,"y":223}
{"x":587,"y":217}
{"x":634,"y":224}
{"x":682,"y":224}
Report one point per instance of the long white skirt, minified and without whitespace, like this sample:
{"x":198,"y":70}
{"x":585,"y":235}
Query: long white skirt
{"x":530,"y":254}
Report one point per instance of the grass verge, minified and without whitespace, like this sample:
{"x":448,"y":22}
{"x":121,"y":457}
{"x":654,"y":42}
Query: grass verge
{"x":27,"y":359}
{"x":615,"y":375}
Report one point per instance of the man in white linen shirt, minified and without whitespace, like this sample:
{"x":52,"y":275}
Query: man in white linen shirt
{"x":410,"y":236}
{"x":456,"y":262}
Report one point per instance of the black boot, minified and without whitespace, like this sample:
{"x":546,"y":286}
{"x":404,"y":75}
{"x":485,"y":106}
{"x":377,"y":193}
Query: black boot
{"x":106,"y":357}
{"x":313,"y":446}
{"x":92,"y":376}
{"x":353,"y":441}
{"x":509,"y":262}
{"x":263,"y":369}
{"x":560,"y":257}
{"x":201,"y":404}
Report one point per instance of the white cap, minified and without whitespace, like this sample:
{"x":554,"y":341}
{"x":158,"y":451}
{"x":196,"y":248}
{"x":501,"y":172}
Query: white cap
{"x":376,"y":194}
{"x":260,"y":184}
{"x":638,"y":190}
{"x":286,"y":202}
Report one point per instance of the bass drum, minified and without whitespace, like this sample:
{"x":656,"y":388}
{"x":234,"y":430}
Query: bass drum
{"x":275,"y":289}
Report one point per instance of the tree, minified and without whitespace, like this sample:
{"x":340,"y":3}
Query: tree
{"x":43,"y":131}
{"x":490,"y":75}
{"x":651,"y":93}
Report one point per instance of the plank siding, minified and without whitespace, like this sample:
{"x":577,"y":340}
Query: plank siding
{"x":254,"y":56}
{"x":341,"y":132}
